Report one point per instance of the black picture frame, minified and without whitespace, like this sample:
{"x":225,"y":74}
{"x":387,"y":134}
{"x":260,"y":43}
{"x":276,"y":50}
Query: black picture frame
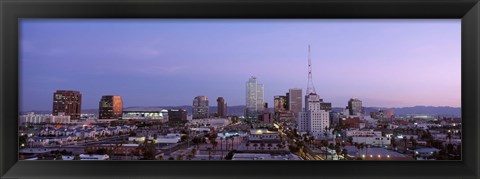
{"x":466,"y":10}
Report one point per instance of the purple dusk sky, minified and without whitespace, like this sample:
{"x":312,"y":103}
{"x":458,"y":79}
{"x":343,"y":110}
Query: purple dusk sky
{"x":385,"y":63}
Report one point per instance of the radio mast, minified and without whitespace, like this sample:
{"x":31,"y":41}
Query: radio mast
{"x":310,"y":87}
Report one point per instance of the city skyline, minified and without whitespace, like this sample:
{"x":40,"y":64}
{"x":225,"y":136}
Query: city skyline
{"x":162,"y":63}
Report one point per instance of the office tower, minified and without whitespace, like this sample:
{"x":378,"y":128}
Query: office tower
{"x":67,"y":102}
{"x":295,"y":100}
{"x":266,"y":117}
{"x":253,"y":99}
{"x":177,"y":115}
{"x":354,"y":106}
{"x":280,"y":103}
{"x":110,"y":107}
{"x":313,"y":119}
{"x":221,"y":107}
{"x":200,"y":107}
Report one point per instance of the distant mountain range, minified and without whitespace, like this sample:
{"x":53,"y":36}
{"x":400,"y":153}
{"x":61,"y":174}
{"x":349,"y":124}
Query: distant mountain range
{"x":434,"y":110}
{"x":239,"y":110}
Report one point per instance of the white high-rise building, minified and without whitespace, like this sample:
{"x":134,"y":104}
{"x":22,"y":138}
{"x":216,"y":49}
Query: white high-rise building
{"x":313,"y":119}
{"x":254,"y":99}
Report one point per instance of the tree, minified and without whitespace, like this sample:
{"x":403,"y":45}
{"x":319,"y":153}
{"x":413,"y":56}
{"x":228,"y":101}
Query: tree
{"x":77,"y":157}
{"x":247,"y":145}
{"x":101,"y":151}
{"x":262,"y":145}
{"x":197,"y":141}
{"x":214,"y":144}
{"x":58,"y":157}
{"x":150,"y":150}
{"x":209,"y":153}
{"x":180,"y":157}
{"x":345,"y":153}
{"x":255,"y":145}
{"x":392,"y":141}
{"x":405,"y":141}
{"x":194,"y":152}
{"x":184,"y":138}
{"x":230,"y":154}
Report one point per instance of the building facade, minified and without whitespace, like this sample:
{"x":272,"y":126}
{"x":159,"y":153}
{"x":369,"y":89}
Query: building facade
{"x":146,"y":113}
{"x":200,"y":107}
{"x":267,"y":117}
{"x":68,"y":102}
{"x":280,"y":103}
{"x":313,"y":119}
{"x":295,"y":100}
{"x":354,"y":106}
{"x":221,"y":107}
{"x":254,"y":99}
{"x":110,"y":107}
{"x":177,"y":115}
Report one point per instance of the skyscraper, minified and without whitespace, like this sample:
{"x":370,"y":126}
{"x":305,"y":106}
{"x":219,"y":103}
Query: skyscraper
{"x":110,"y":107}
{"x":221,"y":107}
{"x":313,"y":119}
{"x":67,"y":102}
{"x":354,"y":106}
{"x":279,"y":103}
{"x":253,"y":99}
{"x":295,"y":100}
{"x":200,"y":107}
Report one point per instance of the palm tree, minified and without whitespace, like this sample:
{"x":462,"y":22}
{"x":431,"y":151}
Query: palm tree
{"x":255,"y":145}
{"x":209,"y":153}
{"x":197,"y":141}
{"x":248,"y":145}
{"x":214,"y":144}
{"x":262,"y":145}
{"x":405,"y":141}
{"x":414,"y":143}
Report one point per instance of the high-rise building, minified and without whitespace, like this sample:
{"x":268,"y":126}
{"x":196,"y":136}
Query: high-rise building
{"x":110,"y":107}
{"x":295,"y":100}
{"x":354,"y":106}
{"x":279,"y":103}
{"x":253,"y":99}
{"x":221,"y":107}
{"x":200,"y":107}
{"x":313,"y":119}
{"x":67,"y":102}
{"x":266,"y":117}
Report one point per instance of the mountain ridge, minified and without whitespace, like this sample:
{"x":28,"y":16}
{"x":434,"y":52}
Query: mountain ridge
{"x":239,"y":109}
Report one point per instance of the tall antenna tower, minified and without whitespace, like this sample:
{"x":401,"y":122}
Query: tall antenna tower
{"x":310,"y":87}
